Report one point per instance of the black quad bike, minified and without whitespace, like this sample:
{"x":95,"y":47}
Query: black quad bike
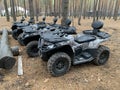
{"x":31,"y":33}
{"x":30,"y":38}
{"x":17,"y":28}
{"x":62,"y":50}
{"x":18,"y":24}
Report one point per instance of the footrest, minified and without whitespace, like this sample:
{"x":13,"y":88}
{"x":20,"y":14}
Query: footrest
{"x":86,"y":55}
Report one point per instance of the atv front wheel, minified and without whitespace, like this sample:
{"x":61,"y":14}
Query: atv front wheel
{"x":102,"y":55}
{"x":20,"y":40}
{"x":59,"y":64}
{"x":32,"y":49}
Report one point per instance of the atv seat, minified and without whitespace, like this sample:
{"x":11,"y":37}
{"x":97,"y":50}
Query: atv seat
{"x":22,"y":24}
{"x":28,"y":30}
{"x":85,"y":38}
{"x":90,"y":32}
{"x":56,"y":40}
{"x":103,"y":35}
{"x":41,"y":26}
{"x":100,"y":34}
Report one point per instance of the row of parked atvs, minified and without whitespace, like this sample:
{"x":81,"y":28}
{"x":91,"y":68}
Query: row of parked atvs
{"x":57,"y":44}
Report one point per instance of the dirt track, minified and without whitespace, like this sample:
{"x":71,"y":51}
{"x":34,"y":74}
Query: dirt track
{"x":80,"y":77}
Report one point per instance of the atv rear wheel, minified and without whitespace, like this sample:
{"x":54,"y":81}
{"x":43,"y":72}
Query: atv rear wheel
{"x":102,"y":55}
{"x":32,"y":49}
{"x":20,"y":40}
{"x":59,"y":64}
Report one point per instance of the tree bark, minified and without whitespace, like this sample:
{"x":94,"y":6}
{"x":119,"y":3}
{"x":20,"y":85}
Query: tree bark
{"x":116,"y":9}
{"x":55,"y":8}
{"x":111,"y":5}
{"x":59,"y":8}
{"x":98,"y":13}
{"x":25,"y":9}
{"x":95,"y":9}
{"x":37,"y":9}
{"x":84,"y":11}
{"x":6,"y":10}
{"x":31,"y":9}
{"x":80,"y":10}
{"x":13,"y":10}
{"x":65,"y":5}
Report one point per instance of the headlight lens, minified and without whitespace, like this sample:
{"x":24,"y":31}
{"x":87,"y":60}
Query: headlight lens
{"x":42,"y":42}
{"x":26,"y":35}
{"x":50,"y":46}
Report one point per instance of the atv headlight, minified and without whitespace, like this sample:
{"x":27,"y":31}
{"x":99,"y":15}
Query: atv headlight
{"x":26,"y":35}
{"x":42,"y":42}
{"x":34,"y":33}
{"x":50,"y":46}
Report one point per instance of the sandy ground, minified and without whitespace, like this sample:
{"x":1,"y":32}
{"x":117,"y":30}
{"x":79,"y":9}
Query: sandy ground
{"x":81,"y":77}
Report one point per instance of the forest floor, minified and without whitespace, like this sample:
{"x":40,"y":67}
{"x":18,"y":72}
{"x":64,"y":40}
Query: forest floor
{"x":81,"y":77}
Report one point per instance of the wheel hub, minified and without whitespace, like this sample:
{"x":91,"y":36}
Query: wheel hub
{"x":35,"y":49}
{"x":103,"y":56}
{"x":60,"y":65}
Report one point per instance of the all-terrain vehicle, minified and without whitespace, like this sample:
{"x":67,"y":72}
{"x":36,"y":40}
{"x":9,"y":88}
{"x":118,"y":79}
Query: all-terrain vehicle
{"x":18,"y":24}
{"x":62,"y":50}
{"x":17,"y":28}
{"x":31,"y":38}
{"x":30,"y":34}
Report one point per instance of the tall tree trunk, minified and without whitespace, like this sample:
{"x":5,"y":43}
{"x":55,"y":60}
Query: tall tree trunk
{"x":13,"y":10}
{"x":105,"y":9}
{"x":94,"y":9}
{"x":15,"y":4}
{"x":116,"y":9}
{"x":73,"y":12}
{"x":31,"y":8}
{"x":80,"y":10}
{"x":55,"y":8}
{"x":111,"y":5}
{"x":25,"y":9}
{"x":84,"y":11}
{"x":101,"y":9}
{"x":46,"y":7}
{"x":70,"y":9}
{"x":65,"y":5}
{"x":37,"y":9}
{"x":59,"y":8}
{"x":18,"y":4}
{"x":6,"y":10}
{"x":98,"y":12}
{"x":89,"y":9}
{"x":50,"y":7}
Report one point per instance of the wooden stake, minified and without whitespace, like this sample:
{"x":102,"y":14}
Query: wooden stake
{"x":20,"y":67}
